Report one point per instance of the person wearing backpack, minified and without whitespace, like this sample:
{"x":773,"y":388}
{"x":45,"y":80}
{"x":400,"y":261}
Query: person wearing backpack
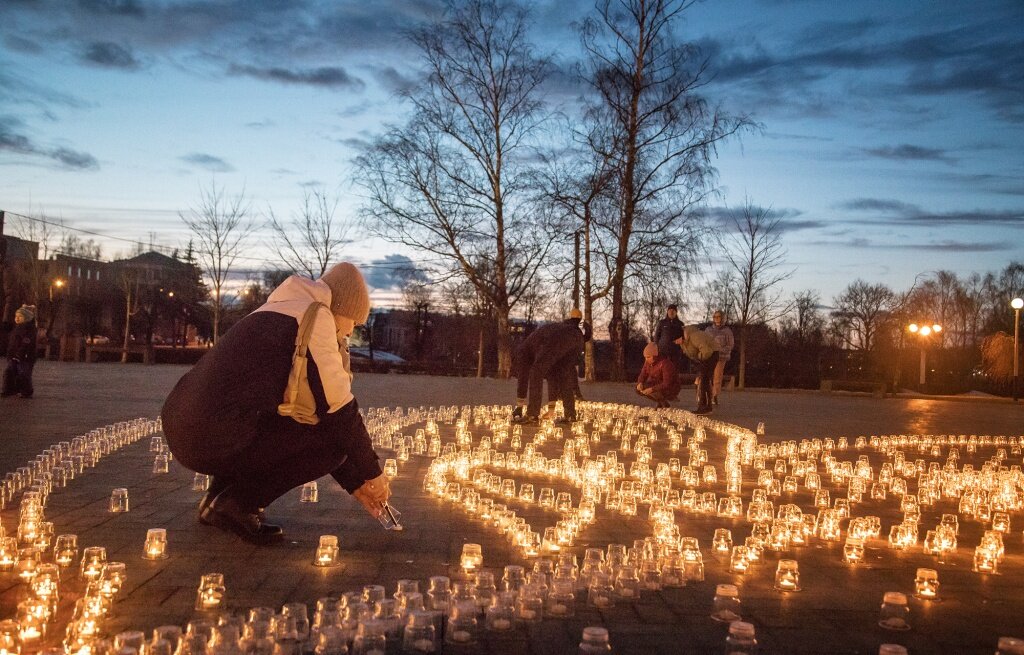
{"x":270,"y":406}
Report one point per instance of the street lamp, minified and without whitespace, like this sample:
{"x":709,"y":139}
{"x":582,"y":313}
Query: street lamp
{"x":924,"y":331}
{"x":59,"y":283}
{"x":1017,"y":304}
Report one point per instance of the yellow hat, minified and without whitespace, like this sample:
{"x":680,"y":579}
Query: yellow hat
{"x":575,"y":313}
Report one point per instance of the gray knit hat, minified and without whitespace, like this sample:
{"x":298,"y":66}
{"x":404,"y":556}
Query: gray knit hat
{"x":26,"y":312}
{"x":349,"y":295}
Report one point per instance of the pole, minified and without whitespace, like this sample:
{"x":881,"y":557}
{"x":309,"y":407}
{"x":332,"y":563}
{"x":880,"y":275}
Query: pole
{"x":1016,"y":355}
{"x":923,"y":366}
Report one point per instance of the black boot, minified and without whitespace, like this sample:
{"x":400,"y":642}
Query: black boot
{"x":226,"y":513}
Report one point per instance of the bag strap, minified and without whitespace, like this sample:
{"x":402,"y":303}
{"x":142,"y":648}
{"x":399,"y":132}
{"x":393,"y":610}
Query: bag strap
{"x":302,"y":336}
{"x":306,"y":329}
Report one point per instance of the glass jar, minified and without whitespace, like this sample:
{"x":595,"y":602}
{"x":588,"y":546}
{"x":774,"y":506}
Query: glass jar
{"x":420,"y":635}
{"x":895,"y":614}
{"x":462,"y":624}
{"x":499,"y":615}
{"x":595,"y":641}
{"x":740,"y":640}
{"x":514,"y":578}
{"x":439,"y":595}
{"x":726,"y":604}
{"x":627,"y":583}
{"x":561,"y":601}
{"x":369,"y":639}
{"x":601,"y":590}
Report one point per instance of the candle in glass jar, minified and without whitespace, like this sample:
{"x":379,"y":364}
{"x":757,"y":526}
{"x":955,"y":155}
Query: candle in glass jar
{"x":156,"y":544}
{"x":327,"y":551}
{"x":926,"y":584}
{"x":787,"y":576}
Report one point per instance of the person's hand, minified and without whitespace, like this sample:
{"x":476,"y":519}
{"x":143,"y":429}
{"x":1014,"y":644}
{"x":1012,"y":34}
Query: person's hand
{"x":647,"y":391}
{"x":373,"y":493}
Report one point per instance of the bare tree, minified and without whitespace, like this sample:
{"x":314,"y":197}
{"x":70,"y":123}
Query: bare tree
{"x":861,"y":313}
{"x":451,"y":180}
{"x":129,"y":282}
{"x":221,"y":228}
{"x":717,"y":295}
{"x":805,"y":319}
{"x":580,"y":184}
{"x":754,"y":255}
{"x":658,"y":133}
{"x":309,"y":242}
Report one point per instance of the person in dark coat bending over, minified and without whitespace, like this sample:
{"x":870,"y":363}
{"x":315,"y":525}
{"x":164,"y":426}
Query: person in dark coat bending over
{"x":222,"y":417}
{"x":703,"y":350}
{"x":549,"y":353}
{"x":21,"y":354}
{"x":658,"y":379}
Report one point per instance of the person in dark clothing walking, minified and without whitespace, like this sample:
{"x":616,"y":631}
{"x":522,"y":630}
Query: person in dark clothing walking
{"x":549,"y":353}
{"x":226,"y":418}
{"x":669,"y":329}
{"x":703,"y":350}
{"x":658,"y":379}
{"x":21,"y":354}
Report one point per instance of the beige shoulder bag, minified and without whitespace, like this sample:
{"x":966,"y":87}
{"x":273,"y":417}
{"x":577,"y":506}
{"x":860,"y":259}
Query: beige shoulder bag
{"x":298,"y":397}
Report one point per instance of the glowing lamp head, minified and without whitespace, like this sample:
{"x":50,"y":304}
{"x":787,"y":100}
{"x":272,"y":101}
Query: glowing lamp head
{"x":925,"y":331}
{"x":913,"y":327}
{"x":1017,"y":303}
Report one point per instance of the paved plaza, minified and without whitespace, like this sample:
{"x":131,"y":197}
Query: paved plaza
{"x":837,"y":610}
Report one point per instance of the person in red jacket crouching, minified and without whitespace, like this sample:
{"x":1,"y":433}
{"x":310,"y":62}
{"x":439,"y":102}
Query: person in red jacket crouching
{"x":658,"y":379}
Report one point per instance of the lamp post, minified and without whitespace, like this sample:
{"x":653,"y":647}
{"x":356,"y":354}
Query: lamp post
{"x":1017,"y":304}
{"x":924,"y":331}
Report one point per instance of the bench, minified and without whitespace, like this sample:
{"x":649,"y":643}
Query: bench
{"x":875,"y":387}
{"x":94,"y":351}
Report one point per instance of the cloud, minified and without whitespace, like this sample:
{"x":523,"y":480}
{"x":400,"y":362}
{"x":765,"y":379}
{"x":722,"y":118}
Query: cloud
{"x":209,"y":162}
{"x":355,"y":143}
{"x":393,"y":81}
{"x":110,"y":55}
{"x":722,"y":218}
{"x":392,"y":272}
{"x":113,"y":7}
{"x":13,"y":141}
{"x":935,"y":246}
{"x":877,"y":204}
{"x":980,"y":58}
{"x":325,"y":76}
{"x":895,"y":212}
{"x":907,"y":152}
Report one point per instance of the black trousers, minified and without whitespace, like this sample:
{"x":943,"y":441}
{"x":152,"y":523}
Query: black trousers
{"x":281,"y":455}
{"x":560,"y":376}
{"x":18,"y":378}
{"x":706,"y":376}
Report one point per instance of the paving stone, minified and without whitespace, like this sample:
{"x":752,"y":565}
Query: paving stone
{"x":836,"y":612}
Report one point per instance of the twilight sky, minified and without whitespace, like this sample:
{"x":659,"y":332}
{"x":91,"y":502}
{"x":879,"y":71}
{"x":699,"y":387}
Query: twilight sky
{"x":892,"y":142}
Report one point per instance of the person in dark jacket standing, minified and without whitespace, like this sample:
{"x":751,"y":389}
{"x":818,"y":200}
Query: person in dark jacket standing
{"x":549,"y":353}
{"x":658,"y":379}
{"x":21,"y":354}
{"x":702,"y":349}
{"x":222,"y":418}
{"x":669,"y":329}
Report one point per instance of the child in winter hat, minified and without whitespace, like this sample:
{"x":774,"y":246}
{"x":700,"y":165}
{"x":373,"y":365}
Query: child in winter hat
{"x":25,"y":313}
